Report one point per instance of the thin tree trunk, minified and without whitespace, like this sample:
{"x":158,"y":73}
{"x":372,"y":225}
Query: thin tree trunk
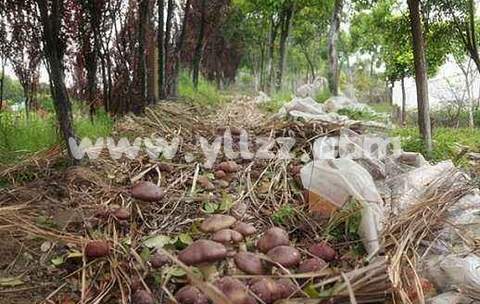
{"x":420,"y":74}
{"x":286,"y":20}
{"x":197,"y":57}
{"x":404,"y":103}
{"x":2,"y":80}
{"x":51,"y":23}
{"x":161,"y":49}
{"x":179,"y":47}
{"x":271,"y":51}
{"x":139,"y":102}
{"x":334,"y":71}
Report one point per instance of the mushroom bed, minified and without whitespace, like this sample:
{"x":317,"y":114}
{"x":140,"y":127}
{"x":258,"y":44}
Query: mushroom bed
{"x":163,"y":231}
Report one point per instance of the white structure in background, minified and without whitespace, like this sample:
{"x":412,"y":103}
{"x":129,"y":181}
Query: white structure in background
{"x":448,"y":85}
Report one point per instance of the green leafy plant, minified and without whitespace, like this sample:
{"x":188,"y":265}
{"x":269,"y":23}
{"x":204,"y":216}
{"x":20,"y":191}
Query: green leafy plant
{"x":283,"y":214}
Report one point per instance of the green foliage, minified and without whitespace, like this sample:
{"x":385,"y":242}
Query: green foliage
{"x":206,"y":94}
{"x":344,"y":227}
{"x":383,"y":107}
{"x":323,"y":95}
{"x":278,"y":99}
{"x":360,"y":115}
{"x":283,"y":214}
{"x":12,"y":90}
{"x":445,"y":142}
{"x":20,"y":137}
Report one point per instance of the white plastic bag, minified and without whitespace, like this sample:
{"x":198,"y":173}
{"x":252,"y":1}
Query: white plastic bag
{"x":337,"y":181}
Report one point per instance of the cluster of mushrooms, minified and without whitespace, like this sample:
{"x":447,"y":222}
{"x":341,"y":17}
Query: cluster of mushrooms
{"x":228,"y":242}
{"x":228,"y":238}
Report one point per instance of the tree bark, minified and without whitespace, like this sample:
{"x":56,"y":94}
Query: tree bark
{"x":404,"y":103}
{"x":51,"y":19}
{"x":286,"y":20}
{"x":138,"y":105}
{"x":197,"y":57}
{"x":179,"y":47}
{"x":334,"y":71}
{"x":420,"y":74}
{"x":2,"y":81}
{"x":271,"y":51}
{"x":161,"y":49}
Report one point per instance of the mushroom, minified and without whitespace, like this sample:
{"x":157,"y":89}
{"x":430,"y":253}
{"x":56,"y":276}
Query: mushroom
{"x":266,"y":290}
{"x":245,"y":229}
{"x":158,"y":260}
{"x":220,"y":174}
{"x":97,"y":249}
{"x":227,"y":236}
{"x":311,"y":265}
{"x":323,"y":251}
{"x":272,"y":238}
{"x":190,"y":295}
{"x":203,"y":254}
{"x":285,"y":256}
{"x":142,"y":297}
{"x":217,"y":222}
{"x":287,"y":288}
{"x":249,"y":263}
{"x":205,"y":183}
{"x":229,"y":167}
{"x":147,"y":192}
{"x":234,"y":290}
{"x":122,"y":214}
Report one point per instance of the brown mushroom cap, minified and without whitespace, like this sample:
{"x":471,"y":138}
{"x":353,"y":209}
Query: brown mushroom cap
{"x":234,"y":290}
{"x":227,"y":236}
{"x":249,"y":263}
{"x":311,"y":265}
{"x":217,"y":222}
{"x":285,"y":255}
{"x":122,"y":214}
{"x":273,"y":237}
{"x":220,"y":174}
{"x":205,"y":183}
{"x":142,"y":297}
{"x":245,"y":229}
{"x":202,"y":252}
{"x":158,"y":260}
{"x":190,"y":295}
{"x":97,"y":249}
{"x":266,"y":290}
{"x":229,"y":167}
{"x":287,"y":288}
{"x":147,"y":191}
{"x":323,"y":251}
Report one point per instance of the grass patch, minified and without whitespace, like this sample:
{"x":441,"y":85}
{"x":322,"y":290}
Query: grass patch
{"x":384,"y":107}
{"x":206,"y":94}
{"x":20,"y":137}
{"x":277,"y":100}
{"x":360,"y":115}
{"x":445,"y":141}
{"x":323,"y":95}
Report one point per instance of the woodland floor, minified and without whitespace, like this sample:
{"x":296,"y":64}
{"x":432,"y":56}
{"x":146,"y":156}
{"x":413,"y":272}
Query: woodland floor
{"x":49,"y":211}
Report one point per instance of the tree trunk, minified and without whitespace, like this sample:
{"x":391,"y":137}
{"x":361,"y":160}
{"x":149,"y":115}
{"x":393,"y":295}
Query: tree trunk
{"x":286,"y":20}
{"x":404,"y":103}
{"x":161,"y":49}
{"x":334,"y":71}
{"x":197,"y":57}
{"x":271,"y":51}
{"x":138,"y":105}
{"x":54,"y":51}
{"x":150,"y":57}
{"x":179,"y":47}
{"x":420,"y":74}
{"x":2,"y":80}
